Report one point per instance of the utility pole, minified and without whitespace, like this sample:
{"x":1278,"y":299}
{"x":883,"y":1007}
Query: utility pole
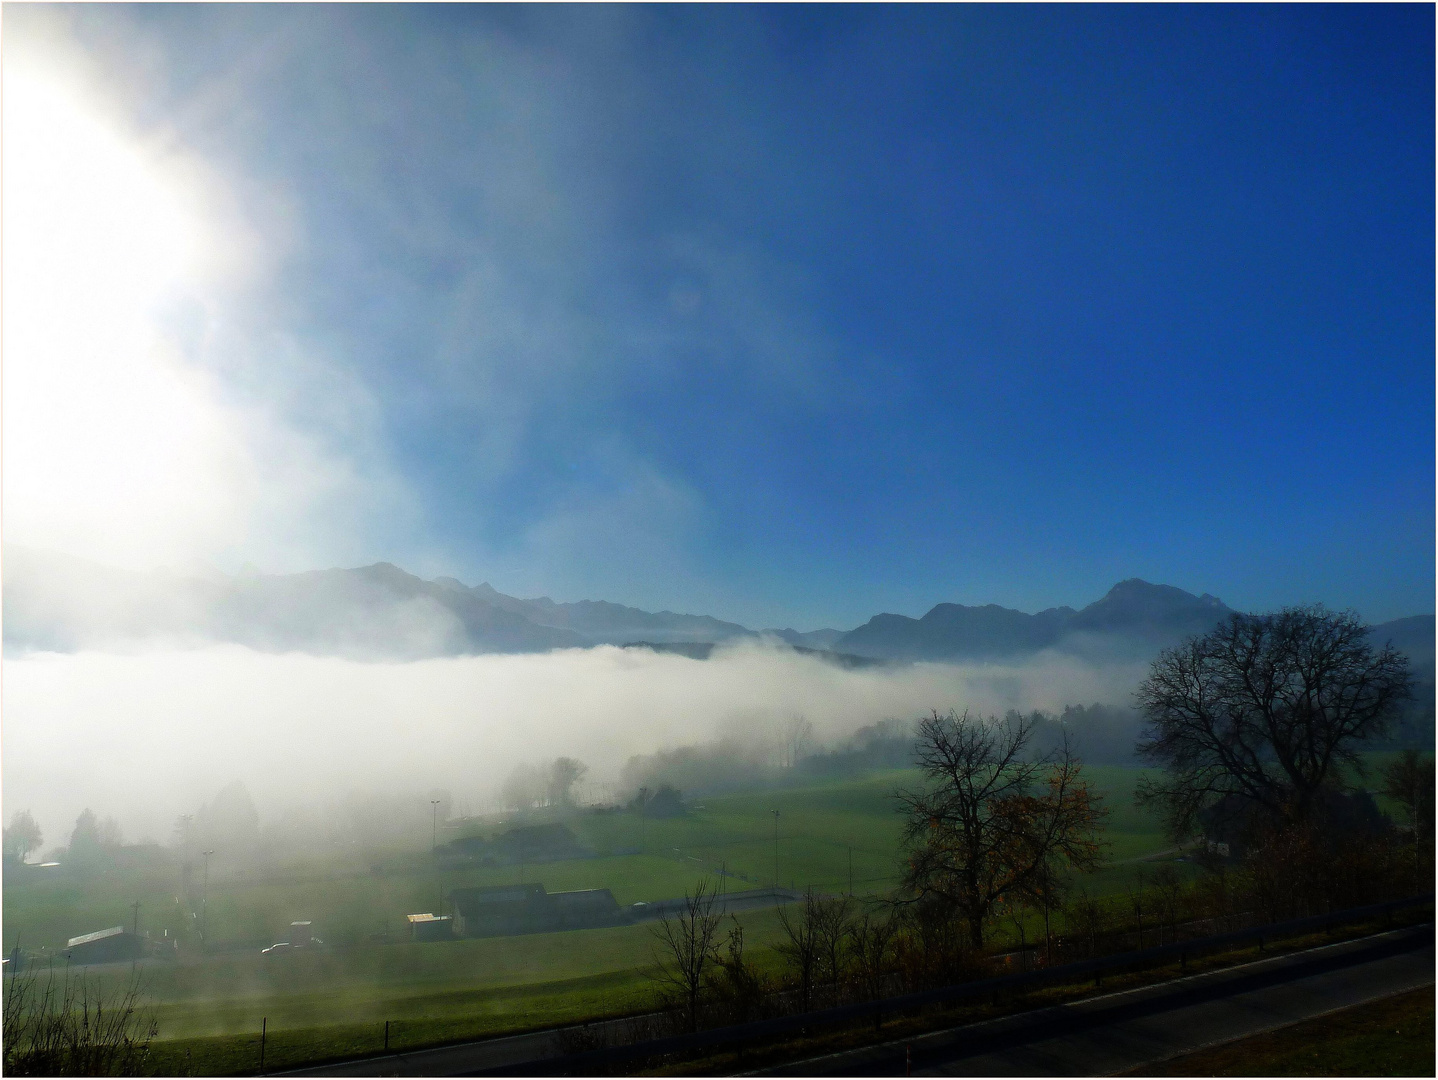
{"x":136,"y":906}
{"x":643,"y":819}
{"x":851,"y":871}
{"x":205,"y":907}
{"x":776,"y":849}
{"x":434,"y":847}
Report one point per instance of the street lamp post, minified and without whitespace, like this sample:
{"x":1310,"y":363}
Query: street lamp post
{"x":434,"y":847}
{"x":776,"y":849}
{"x":205,"y":907}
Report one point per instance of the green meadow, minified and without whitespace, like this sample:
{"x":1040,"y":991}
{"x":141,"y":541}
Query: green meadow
{"x":334,"y":1001}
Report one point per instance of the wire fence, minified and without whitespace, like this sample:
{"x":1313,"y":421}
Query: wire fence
{"x":594,"y":1046}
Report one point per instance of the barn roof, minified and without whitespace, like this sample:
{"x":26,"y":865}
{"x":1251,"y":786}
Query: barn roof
{"x":498,"y":894}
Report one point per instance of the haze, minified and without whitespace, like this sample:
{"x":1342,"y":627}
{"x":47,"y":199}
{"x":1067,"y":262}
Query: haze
{"x":150,"y":736}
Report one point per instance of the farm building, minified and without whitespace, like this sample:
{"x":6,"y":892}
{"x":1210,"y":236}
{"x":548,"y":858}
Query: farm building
{"x":430,"y":927}
{"x":529,"y":909}
{"x":583,"y":908}
{"x":104,"y":947}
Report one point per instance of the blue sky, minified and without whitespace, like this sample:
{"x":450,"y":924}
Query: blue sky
{"x":793,"y":315}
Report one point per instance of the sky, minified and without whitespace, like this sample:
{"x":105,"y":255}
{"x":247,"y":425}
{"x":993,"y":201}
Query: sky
{"x":787,"y":315}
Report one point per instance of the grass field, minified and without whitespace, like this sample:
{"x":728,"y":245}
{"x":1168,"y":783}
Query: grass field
{"x":334,"y":1001}
{"x":354,"y":898}
{"x":1392,"y":1037}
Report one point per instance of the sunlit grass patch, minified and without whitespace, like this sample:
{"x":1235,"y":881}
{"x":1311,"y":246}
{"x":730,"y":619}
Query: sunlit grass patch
{"x":1391,"y":1037}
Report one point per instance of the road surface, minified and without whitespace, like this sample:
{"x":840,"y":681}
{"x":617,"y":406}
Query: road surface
{"x":1104,"y":1034}
{"x":1115,"y":1032}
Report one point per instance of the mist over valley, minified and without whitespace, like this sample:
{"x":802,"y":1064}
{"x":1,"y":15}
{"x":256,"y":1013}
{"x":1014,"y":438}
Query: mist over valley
{"x":142,"y":694}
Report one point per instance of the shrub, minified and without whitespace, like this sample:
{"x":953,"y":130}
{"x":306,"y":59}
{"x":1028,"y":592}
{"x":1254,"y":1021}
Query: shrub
{"x":69,"y":1025}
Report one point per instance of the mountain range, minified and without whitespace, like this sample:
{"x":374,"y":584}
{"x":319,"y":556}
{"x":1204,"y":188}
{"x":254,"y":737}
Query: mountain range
{"x":59,"y":603}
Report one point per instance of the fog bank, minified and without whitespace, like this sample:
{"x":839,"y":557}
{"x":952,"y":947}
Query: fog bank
{"x":148,"y":736}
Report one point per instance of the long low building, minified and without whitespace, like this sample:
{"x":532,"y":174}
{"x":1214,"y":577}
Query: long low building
{"x":104,"y":947}
{"x":529,"y":909}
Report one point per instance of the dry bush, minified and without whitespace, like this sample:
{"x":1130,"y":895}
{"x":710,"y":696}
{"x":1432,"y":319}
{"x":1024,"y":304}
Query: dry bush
{"x":933,"y":947}
{"x":740,"y":987}
{"x":1310,"y":869}
{"x":872,"y":941}
{"x":68,"y":1025}
{"x":1087,"y":919}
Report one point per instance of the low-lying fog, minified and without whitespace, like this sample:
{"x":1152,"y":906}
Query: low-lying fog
{"x":147,"y":736}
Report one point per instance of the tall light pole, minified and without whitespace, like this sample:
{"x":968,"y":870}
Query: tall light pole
{"x":205,"y":907}
{"x":776,"y":849}
{"x":434,"y":847}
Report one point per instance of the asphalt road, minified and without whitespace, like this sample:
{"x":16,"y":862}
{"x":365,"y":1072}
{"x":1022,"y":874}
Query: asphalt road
{"x":1115,"y":1032}
{"x":1099,"y":1035}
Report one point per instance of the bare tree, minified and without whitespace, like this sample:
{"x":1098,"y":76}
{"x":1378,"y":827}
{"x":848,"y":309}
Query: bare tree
{"x":1046,"y":893}
{"x":1137,"y":891}
{"x":741,"y":985}
{"x":833,"y":917}
{"x":801,"y":945}
{"x":993,"y":821}
{"x":1408,"y":781}
{"x":798,"y":735}
{"x":689,"y":949}
{"x":1259,"y":714}
{"x":871,"y":944}
{"x":1087,"y":916}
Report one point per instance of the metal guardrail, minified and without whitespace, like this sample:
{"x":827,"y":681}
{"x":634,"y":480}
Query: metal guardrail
{"x":1078,"y":971}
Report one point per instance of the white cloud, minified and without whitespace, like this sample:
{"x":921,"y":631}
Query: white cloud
{"x":149,"y":736}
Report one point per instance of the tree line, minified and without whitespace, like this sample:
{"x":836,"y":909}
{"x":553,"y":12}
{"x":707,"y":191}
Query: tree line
{"x":1255,"y":732}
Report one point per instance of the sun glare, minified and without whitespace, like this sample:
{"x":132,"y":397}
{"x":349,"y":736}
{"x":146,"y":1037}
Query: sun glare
{"x":114,"y":445}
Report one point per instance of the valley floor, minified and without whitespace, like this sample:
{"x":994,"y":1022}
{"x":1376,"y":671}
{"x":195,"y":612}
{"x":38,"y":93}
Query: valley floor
{"x":334,"y":1001}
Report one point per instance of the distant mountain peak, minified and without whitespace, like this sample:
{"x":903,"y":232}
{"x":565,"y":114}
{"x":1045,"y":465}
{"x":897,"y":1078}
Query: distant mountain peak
{"x":1137,"y":588}
{"x":386,"y":572}
{"x":54,"y":601}
{"x":1133,"y":615}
